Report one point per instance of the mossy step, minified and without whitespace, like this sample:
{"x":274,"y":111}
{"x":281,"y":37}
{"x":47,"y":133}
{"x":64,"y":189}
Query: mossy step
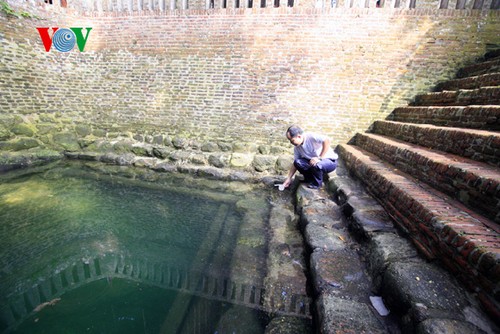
{"x":485,"y":117}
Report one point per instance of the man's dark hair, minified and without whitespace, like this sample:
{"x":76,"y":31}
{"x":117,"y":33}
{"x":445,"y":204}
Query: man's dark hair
{"x":294,"y":131}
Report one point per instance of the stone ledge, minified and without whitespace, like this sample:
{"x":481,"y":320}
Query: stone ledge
{"x":166,"y":165}
{"x":23,"y":159}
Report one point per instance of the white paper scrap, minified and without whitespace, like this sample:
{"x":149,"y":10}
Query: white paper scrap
{"x":378,"y":303}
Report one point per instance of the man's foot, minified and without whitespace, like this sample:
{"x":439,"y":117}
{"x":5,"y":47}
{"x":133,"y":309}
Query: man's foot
{"x":313,"y":186}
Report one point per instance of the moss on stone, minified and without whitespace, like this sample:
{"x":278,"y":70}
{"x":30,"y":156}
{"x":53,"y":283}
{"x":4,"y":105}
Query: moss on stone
{"x":83,"y":130}
{"x":284,"y":162}
{"x":263,"y":163}
{"x":123,"y":146}
{"x":210,"y":147}
{"x":219,"y":160}
{"x":20,"y":144}
{"x":24,"y":129}
{"x":99,"y":133}
{"x":241,"y":160}
{"x":66,"y":140}
{"x":4,"y":133}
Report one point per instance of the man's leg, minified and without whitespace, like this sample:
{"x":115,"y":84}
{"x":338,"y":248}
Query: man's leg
{"x":304,"y":168}
{"x":324,"y":166}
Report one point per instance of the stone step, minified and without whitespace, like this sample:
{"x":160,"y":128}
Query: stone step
{"x":475,"y":184}
{"x":393,"y":265}
{"x":489,"y":66}
{"x":440,"y":227}
{"x":479,"y":145}
{"x":462,"y":97}
{"x":473,"y":117}
{"x":485,"y":80}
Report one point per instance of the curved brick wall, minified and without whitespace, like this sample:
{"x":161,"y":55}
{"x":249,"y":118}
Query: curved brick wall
{"x":231,"y":75}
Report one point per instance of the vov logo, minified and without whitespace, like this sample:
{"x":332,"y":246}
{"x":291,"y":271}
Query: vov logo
{"x":63,"y":39}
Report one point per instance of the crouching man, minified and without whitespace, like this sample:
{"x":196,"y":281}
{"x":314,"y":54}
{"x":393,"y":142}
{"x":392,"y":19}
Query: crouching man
{"x":313,"y":156}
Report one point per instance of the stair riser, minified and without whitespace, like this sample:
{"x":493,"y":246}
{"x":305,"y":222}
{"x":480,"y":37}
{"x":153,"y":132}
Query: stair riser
{"x":472,"y":264}
{"x":481,"y":118}
{"x":482,"y":96}
{"x":480,"y":195}
{"x":473,"y":146}
{"x":470,"y":83}
{"x":480,"y":68}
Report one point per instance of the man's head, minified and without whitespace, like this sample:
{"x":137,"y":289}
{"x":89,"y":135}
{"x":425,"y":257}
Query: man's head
{"x":295,"y":135}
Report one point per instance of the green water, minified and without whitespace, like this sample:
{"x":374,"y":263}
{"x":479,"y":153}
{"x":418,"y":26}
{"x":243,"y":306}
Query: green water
{"x":92,"y":249}
{"x":120,"y":306}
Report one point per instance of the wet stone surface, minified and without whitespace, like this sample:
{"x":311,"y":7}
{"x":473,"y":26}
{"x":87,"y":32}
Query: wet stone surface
{"x":346,"y":316}
{"x":339,"y":273}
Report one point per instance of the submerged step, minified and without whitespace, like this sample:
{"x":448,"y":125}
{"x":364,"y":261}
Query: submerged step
{"x":462,"y":97}
{"x":440,"y":227}
{"x":482,"y":117}
{"x":477,"y":145}
{"x":473,"y":183}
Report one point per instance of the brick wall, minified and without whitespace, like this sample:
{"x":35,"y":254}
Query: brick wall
{"x":232,"y":75}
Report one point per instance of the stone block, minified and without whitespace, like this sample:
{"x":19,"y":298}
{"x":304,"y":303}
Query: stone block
{"x":339,"y":315}
{"x":210,"y":147}
{"x":407,"y":284}
{"x":219,"y":160}
{"x":438,"y":326}
{"x":284,"y":163}
{"x":83,"y":130}
{"x":20,"y":144}
{"x":66,"y":140}
{"x":263,"y":163}
{"x":161,"y":152}
{"x":384,"y":249}
{"x":23,"y":129}
{"x":339,"y":273}
{"x":241,"y":160}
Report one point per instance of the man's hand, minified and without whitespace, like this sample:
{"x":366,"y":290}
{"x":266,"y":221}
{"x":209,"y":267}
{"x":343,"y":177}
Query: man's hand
{"x":314,"y":161}
{"x":287,"y":182}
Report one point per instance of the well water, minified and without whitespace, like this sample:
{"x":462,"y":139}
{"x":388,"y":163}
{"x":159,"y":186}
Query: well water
{"x":89,"y":248}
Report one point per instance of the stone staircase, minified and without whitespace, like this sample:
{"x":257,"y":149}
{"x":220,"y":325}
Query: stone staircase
{"x":435,"y":167}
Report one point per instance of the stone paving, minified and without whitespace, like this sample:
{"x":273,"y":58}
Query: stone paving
{"x":356,"y":253}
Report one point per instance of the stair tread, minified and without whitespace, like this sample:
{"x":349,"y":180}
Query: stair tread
{"x":472,"y":82}
{"x":471,"y":107}
{"x":443,"y":207}
{"x":474,"y":116}
{"x":480,"y":169}
{"x":460,"y":97}
{"x":473,"y":69}
{"x":477,"y":132}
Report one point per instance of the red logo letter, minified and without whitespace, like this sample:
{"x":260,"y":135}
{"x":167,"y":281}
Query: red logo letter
{"x":46,"y":39}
